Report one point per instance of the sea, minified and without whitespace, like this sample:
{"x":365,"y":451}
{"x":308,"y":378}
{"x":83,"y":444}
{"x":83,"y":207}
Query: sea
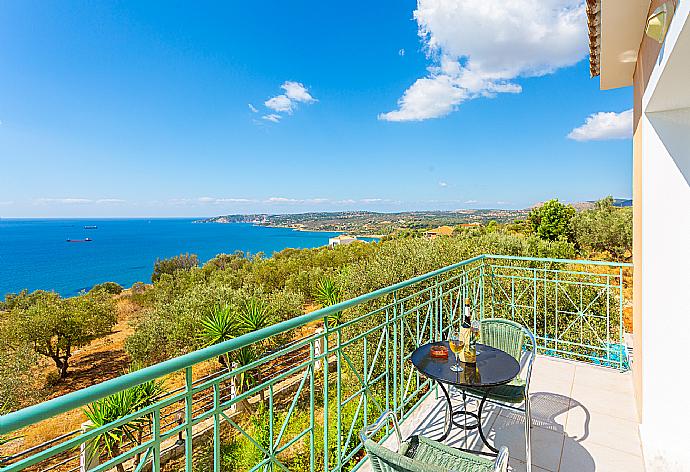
{"x":35,"y":254}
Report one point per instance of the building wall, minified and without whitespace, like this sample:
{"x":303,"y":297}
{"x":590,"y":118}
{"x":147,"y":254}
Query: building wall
{"x":665,"y":280}
{"x":638,"y":356}
{"x":662,"y":142}
{"x":646,"y":60}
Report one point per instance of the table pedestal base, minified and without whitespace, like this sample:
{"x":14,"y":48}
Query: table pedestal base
{"x":477,"y":416}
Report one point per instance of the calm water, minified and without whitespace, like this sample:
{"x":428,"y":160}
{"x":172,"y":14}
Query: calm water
{"x":34,"y":254}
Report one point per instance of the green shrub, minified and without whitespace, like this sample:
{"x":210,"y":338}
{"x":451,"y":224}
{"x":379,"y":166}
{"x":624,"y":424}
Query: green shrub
{"x":183,"y":262}
{"x":605,"y":228}
{"x":108,"y":287}
{"x":552,"y":220}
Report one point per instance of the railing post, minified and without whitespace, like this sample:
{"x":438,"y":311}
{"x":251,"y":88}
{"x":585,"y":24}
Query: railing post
{"x":318,"y":347}
{"x":233,"y":386}
{"x":325,"y":396}
{"x":88,"y":457}
{"x":189,"y":399}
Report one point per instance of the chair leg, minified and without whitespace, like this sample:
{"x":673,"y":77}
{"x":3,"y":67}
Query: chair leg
{"x":528,"y":440}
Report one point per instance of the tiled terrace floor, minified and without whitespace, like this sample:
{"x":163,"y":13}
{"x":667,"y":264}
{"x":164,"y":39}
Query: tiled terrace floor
{"x":583,"y":420}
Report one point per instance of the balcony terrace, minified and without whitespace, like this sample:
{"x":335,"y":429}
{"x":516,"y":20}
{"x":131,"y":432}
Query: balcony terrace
{"x":299,"y":406}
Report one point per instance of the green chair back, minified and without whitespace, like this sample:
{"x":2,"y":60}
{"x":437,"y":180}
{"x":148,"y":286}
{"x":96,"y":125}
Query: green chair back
{"x":502,"y":334}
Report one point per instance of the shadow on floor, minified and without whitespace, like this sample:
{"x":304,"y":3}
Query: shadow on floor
{"x":504,"y":427}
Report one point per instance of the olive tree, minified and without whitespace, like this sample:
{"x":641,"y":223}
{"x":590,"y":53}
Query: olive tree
{"x":604,"y":228}
{"x":183,"y":262}
{"x":54,"y":326}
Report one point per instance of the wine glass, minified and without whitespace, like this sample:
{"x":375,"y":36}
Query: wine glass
{"x":456,"y":344}
{"x":476,"y":325}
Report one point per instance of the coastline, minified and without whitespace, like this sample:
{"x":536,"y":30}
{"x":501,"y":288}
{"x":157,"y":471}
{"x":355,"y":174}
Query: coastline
{"x":68,"y":269}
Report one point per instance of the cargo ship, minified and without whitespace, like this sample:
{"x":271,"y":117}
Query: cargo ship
{"x":85,"y":240}
{"x":90,"y":227}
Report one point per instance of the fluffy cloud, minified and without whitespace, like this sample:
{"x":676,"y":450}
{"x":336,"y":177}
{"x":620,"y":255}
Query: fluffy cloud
{"x":252,"y":108}
{"x":443,"y":184}
{"x":279,"y":103}
{"x":604,"y":125}
{"x":295,"y":93}
{"x":272,"y":117}
{"x":479,"y":47}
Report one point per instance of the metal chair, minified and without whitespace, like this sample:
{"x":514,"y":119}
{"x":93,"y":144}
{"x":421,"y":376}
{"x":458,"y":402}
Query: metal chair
{"x":421,"y":454}
{"x":510,"y":337}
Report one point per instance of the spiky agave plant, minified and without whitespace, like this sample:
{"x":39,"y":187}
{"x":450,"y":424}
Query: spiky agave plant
{"x":254,"y":314}
{"x":107,"y":410}
{"x":327,"y":294}
{"x":146,"y":394}
{"x":245,"y":356}
{"x":219,"y":326}
{"x":114,"y":407}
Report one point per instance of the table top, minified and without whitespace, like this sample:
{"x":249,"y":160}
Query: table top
{"x":494,"y":367}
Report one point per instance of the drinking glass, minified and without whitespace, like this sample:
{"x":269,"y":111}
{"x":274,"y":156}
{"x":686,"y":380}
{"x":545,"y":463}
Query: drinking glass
{"x":456,"y":344}
{"x":476,"y":325}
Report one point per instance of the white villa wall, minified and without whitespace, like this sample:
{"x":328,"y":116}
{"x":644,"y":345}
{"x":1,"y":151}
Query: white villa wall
{"x":665,"y":121}
{"x":666,"y":289}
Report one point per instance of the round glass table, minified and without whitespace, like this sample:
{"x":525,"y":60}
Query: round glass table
{"x":494,"y":367}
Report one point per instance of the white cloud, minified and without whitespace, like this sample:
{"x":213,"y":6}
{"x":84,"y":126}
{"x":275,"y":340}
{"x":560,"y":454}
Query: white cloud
{"x":282,"y":200}
{"x":279,"y":103}
{"x":401,"y":52}
{"x":252,"y":108}
{"x":297,"y":92}
{"x":604,"y":125}
{"x":443,"y":184}
{"x":233,"y":200}
{"x":110,"y":200}
{"x":63,"y":201}
{"x":470,"y":202}
{"x":208,"y":201}
{"x":479,"y":47}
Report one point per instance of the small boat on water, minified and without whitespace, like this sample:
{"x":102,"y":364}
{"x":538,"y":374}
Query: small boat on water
{"x":85,"y":240}
{"x":90,"y":227}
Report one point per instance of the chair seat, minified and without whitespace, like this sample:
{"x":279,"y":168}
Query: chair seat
{"x":433,"y":452}
{"x":512,"y":392}
{"x":421,"y":454}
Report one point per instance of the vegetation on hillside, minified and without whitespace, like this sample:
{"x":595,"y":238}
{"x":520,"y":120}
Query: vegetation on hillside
{"x":191,"y":306}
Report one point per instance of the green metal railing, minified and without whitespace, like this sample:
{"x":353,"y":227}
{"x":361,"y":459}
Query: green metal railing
{"x":312,"y":387}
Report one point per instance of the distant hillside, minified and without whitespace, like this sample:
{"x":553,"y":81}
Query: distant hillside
{"x":367,"y":222}
{"x":618,"y":202}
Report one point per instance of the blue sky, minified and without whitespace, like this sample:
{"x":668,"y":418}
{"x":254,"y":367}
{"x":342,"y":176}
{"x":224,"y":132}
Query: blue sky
{"x":142,"y":109}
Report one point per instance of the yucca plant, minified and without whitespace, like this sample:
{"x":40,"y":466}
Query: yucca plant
{"x":219,"y":326}
{"x":247,"y":379}
{"x":254,"y":314}
{"x":116,"y":406}
{"x":327,"y":294}
{"x":106,"y":410}
{"x":146,"y":394}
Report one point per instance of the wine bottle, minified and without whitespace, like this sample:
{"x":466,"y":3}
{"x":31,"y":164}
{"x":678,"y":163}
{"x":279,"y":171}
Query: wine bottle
{"x":469,"y":353}
{"x":467,"y":315}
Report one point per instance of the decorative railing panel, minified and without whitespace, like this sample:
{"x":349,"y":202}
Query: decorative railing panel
{"x":300,"y":406}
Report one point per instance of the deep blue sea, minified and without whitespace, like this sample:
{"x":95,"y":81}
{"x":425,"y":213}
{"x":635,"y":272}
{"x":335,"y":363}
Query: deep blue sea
{"x":35,"y":254}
